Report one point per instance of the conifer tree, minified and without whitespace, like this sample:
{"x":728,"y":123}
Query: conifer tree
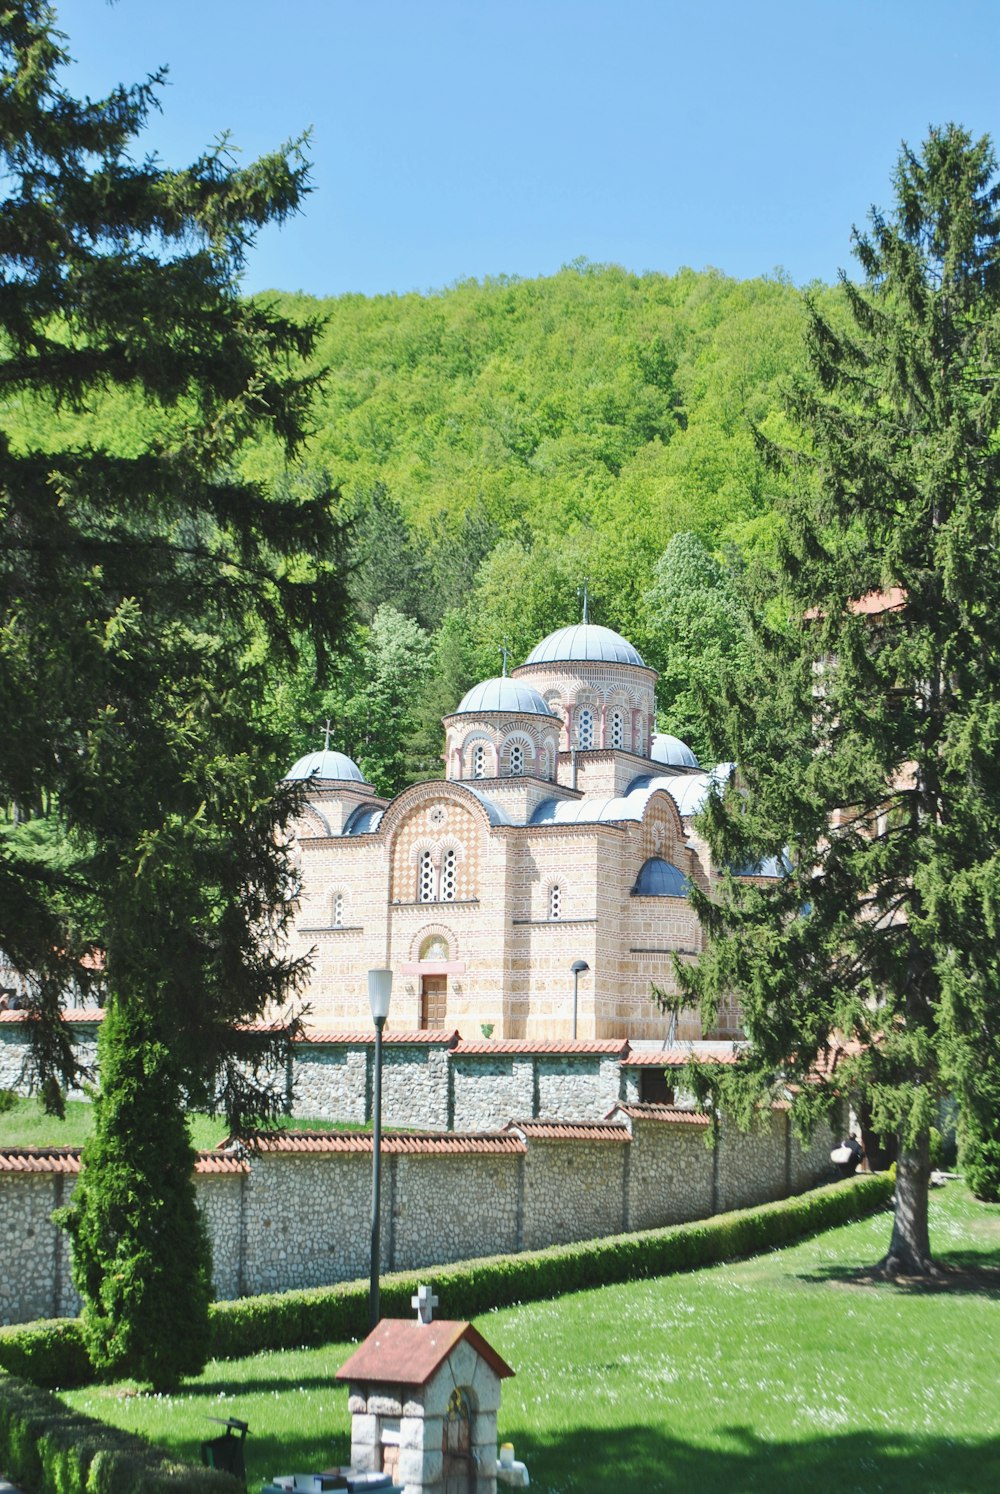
{"x":869,"y":741}
{"x":145,"y":589}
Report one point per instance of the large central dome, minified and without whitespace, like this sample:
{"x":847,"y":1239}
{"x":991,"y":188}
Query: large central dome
{"x":584,"y":641}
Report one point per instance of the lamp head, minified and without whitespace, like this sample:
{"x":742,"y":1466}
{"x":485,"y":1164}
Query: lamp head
{"x":579,"y":966}
{"x":379,"y":992}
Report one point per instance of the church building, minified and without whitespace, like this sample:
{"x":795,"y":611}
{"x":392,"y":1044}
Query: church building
{"x":560,"y":836}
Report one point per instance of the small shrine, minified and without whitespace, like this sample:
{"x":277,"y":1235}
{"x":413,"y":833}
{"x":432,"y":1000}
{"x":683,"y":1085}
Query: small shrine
{"x":423,"y":1397}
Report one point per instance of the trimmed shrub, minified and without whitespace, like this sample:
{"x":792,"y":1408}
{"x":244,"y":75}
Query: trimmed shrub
{"x":49,"y":1353}
{"x":54,"y":1450}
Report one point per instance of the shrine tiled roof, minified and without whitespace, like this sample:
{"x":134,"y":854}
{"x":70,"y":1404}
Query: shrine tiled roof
{"x":403,"y":1352}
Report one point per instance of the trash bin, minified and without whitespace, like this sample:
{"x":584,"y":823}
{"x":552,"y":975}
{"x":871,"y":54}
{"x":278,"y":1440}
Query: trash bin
{"x":226,"y":1452}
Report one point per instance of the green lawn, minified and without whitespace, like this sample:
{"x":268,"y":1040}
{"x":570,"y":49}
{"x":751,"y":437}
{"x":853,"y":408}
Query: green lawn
{"x":780,"y":1374}
{"x":26,"y":1124}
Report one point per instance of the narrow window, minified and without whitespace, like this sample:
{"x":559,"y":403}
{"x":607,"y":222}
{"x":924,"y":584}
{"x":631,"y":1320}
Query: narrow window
{"x":425,"y":879}
{"x":617,"y":729}
{"x":338,"y":910}
{"x":555,"y":902}
{"x":479,"y":761}
{"x":585,"y":730}
{"x":516,"y":760}
{"x":638,"y":736}
{"x":449,"y":876}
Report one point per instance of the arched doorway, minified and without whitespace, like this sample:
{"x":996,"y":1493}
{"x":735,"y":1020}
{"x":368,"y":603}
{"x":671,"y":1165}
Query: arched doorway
{"x":459,"y":1473}
{"x":433,"y":984}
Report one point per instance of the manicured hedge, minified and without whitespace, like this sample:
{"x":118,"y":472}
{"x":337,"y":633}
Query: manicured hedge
{"x":50,"y":1449}
{"x":53,"y":1354}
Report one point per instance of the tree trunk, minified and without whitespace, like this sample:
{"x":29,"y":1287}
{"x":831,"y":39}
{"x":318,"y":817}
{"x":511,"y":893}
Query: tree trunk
{"x":909,"y":1252}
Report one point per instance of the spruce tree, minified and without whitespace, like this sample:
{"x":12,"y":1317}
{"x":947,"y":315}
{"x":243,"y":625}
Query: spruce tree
{"x":146,"y":590}
{"x":869,"y":740}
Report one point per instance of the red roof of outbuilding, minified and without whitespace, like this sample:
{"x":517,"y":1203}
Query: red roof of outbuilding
{"x":664,"y":1113}
{"x":404,"y":1352}
{"x":673,"y":1058}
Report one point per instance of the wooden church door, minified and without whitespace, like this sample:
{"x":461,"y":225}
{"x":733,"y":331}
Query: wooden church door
{"x":433,"y":1001}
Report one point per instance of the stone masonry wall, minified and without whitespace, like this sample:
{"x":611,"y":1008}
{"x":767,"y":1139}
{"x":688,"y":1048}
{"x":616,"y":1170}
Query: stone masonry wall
{"x":573,"y":1191}
{"x":297,"y":1219}
{"x":670,"y":1174}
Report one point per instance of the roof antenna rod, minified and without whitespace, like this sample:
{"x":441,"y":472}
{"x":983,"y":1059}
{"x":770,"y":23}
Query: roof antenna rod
{"x":582,"y":592}
{"x":503,"y":651}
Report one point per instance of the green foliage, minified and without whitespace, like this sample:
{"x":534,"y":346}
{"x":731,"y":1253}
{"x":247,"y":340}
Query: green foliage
{"x":54,"y":1450}
{"x":696,"y":631}
{"x":979,"y":1133}
{"x":875,"y":760}
{"x":146,"y":592}
{"x":141,"y":1257}
{"x":49,"y":1353}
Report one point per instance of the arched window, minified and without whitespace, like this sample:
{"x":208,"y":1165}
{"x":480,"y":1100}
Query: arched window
{"x":479,"y":761}
{"x":585,"y":729}
{"x":516,"y":760}
{"x":425,"y":878}
{"x":338,"y":910}
{"x":547,"y":763}
{"x":555,"y":901}
{"x":617,"y":729}
{"x":449,"y":875}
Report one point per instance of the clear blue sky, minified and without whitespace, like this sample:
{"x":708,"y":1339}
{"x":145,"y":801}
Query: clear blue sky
{"x":457,"y":138}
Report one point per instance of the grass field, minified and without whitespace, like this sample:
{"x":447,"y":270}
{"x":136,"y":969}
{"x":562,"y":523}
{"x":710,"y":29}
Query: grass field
{"x":26,"y":1124}
{"x":782,"y":1373}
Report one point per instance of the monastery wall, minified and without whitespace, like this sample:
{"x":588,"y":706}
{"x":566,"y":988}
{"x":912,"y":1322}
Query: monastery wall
{"x":297,"y":1214}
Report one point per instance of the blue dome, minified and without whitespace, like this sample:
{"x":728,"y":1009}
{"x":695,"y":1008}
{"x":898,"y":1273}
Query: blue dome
{"x":502,"y":695}
{"x":584,"y":641}
{"x":659,"y":878}
{"x":672,"y":752}
{"x":335,"y":765}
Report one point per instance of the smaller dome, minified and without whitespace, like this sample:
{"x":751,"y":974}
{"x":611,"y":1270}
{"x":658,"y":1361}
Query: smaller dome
{"x":659,"y":878}
{"x":326,"y":765}
{"x":672,"y":751}
{"x":587,"y":641}
{"x":505,"y":695}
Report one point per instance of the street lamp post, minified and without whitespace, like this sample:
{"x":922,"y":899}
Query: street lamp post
{"x":577,"y":967}
{"x":379,"y":992}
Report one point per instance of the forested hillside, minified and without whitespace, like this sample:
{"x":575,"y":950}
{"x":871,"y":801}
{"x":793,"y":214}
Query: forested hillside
{"x":495,"y":444}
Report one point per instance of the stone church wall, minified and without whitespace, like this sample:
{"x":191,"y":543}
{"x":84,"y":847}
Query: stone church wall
{"x":299,"y":1218}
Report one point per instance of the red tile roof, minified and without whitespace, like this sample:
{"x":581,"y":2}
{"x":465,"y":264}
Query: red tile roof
{"x":435,"y":1038}
{"x":542,"y":1130}
{"x":404,"y":1352}
{"x":872,"y":604}
{"x":612,"y":1047}
{"x":66,"y":1159}
{"x":665,"y":1113}
{"x":40,"y":1159}
{"x":441,"y":1144}
{"x":672,"y":1058}
{"x":71,"y":1014}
